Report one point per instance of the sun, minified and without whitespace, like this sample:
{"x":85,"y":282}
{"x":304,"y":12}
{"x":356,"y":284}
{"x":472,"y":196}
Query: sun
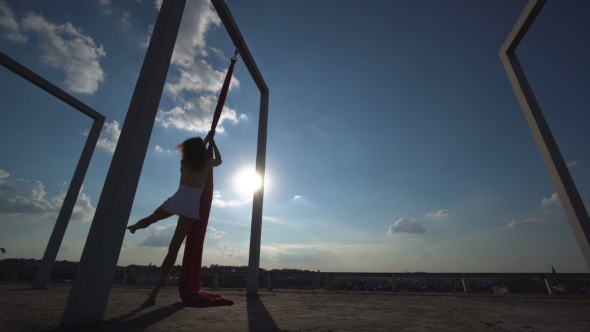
{"x":248,"y":181}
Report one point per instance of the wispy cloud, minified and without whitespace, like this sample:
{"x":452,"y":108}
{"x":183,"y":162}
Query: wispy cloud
{"x":215,"y":234}
{"x":105,"y":5}
{"x":218,"y":201}
{"x":8,"y":23}
{"x":276,"y":220}
{"x":319,"y":128}
{"x":125,"y":20}
{"x":408,"y":226}
{"x":553,"y":200}
{"x":425,"y":254}
{"x":574,"y":163}
{"x":528,"y":222}
{"x":110,"y":136}
{"x":440,"y":213}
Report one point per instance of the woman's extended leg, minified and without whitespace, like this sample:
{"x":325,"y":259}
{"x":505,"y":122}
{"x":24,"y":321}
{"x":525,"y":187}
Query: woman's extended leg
{"x":159,"y":214}
{"x":184,"y":224}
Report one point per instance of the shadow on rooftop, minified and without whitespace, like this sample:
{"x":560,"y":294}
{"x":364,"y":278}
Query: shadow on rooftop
{"x":259,"y":319}
{"x":146,"y":320}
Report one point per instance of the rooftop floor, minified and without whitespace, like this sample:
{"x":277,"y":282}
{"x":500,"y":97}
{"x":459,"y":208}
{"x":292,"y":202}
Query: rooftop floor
{"x":25,"y":309}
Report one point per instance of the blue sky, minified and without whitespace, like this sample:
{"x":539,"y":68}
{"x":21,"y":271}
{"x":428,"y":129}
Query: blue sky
{"x":395,"y":140}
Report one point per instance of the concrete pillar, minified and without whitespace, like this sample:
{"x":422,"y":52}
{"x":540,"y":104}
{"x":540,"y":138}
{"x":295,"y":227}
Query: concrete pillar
{"x":327,"y":281}
{"x":256,"y":227}
{"x":125,"y":276}
{"x":548,"y":283}
{"x":90,"y":291}
{"x":564,"y":184}
{"x":216,"y":280}
{"x":392,"y":282}
{"x":61,"y":224}
{"x":269,"y":281}
{"x":465,"y":282}
{"x":15,"y":276}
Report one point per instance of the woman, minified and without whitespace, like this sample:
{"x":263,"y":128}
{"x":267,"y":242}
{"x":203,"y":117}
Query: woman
{"x":194,"y":168}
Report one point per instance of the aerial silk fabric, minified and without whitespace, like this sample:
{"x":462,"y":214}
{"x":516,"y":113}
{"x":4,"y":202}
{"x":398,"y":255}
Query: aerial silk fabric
{"x":190,"y":275}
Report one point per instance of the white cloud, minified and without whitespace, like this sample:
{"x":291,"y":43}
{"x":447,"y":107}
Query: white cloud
{"x":574,"y":163}
{"x":65,"y":47}
{"x":195,"y":74}
{"x":405,"y":225}
{"x":215,"y":234}
{"x":12,"y":30}
{"x":553,"y":200}
{"x":145,"y":40}
{"x":110,"y":136}
{"x":199,"y":76}
{"x":528,"y":222}
{"x":199,"y":17}
{"x":159,"y":149}
{"x":197,"y":115}
{"x":105,"y":2}
{"x":297,"y":197}
{"x":217,"y":201}
{"x":83,"y":210}
{"x":125,"y":20}
{"x":27,"y":198}
{"x":159,"y":236}
{"x":440,"y":213}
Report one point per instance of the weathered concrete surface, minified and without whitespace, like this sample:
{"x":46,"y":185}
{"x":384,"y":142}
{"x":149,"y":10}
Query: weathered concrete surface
{"x":26,"y":309}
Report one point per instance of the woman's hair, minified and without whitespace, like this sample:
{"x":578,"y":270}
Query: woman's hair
{"x":193,"y":152}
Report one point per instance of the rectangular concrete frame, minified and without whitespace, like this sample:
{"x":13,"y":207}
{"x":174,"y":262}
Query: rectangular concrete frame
{"x":90,"y":290}
{"x":65,"y":212}
{"x":89,"y":294}
{"x":564,"y":184}
{"x":256,"y":228}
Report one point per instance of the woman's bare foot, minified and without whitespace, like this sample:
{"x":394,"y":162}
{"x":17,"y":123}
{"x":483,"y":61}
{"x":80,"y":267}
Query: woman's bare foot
{"x":132,"y":229}
{"x":149,"y":302}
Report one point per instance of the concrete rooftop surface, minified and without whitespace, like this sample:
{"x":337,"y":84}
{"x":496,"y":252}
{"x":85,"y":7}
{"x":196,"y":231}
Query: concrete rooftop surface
{"x":26,"y":309}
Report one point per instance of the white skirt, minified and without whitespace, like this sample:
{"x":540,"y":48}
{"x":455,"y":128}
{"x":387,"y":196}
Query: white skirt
{"x":185,"y":202}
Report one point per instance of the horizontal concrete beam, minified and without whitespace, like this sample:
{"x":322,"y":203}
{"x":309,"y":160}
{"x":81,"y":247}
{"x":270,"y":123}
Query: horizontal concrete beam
{"x":44,"y":84}
{"x":238,"y":40}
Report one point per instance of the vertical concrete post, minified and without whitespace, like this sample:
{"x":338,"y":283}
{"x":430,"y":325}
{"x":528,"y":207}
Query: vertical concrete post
{"x":328,"y":281}
{"x":465,"y":282}
{"x":125,"y":276}
{"x":216,"y":280}
{"x":15,"y":276}
{"x":61,"y":224}
{"x":564,"y":184}
{"x":90,"y":291}
{"x":392,"y":281}
{"x":548,"y":283}
{"x":269,"y":281}
{"x":256,"y":227}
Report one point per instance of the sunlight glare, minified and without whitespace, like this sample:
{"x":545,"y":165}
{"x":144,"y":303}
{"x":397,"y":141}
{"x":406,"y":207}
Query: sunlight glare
{"x":248,"y":181}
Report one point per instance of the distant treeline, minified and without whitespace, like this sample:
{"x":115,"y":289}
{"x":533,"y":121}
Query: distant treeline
{"x":30,"y":264}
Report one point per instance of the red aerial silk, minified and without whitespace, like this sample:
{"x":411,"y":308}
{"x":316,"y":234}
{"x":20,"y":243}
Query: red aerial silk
{"x":190,"y":275}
